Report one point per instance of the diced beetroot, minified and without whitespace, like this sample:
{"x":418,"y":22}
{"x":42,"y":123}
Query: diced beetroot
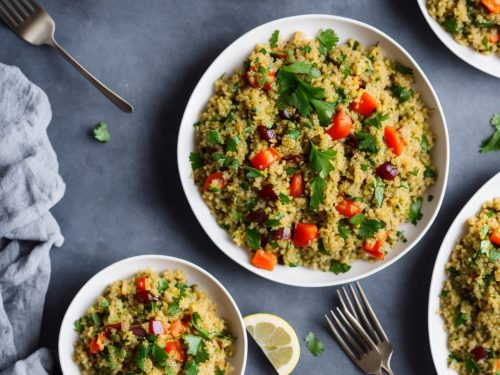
{"x":266,"y":133}
{"x":282,"y":234}
{"x":479,"y":353}
{"x":144,"y":296}
{"x":109,"y":328}
{"x":155,"y":327}
{"x":295,"y":158}
{"x":268,"y":193}
{"x":138,"y":331}
{"x":258,"y":216}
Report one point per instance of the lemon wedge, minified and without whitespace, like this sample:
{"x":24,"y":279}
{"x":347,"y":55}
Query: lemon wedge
{"x":277,"y":339}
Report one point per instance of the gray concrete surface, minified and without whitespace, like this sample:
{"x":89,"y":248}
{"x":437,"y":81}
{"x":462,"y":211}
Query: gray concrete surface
{"x":124,"y":198}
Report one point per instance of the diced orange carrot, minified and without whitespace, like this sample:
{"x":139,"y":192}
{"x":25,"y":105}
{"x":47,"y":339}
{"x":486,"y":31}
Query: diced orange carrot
{"x":264,"y":259}
{"x":492,"y":5}
{"x":97,"y":345}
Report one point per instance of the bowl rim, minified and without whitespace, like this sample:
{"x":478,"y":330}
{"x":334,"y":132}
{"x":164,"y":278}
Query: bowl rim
{"x":438,"y":111}
{"x":151,"y":258}
{"x":463,"y":52}
{"x":475,"y":202}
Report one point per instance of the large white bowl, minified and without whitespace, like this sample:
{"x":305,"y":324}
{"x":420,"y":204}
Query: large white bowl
{"x":124,"y":269}
{"x":437,"y":334}
{"x":487,"y":63}
{"x":230,"y":60}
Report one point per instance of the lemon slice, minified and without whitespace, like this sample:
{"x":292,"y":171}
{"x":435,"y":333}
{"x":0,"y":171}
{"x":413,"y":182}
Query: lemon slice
{"x":277,"y":339}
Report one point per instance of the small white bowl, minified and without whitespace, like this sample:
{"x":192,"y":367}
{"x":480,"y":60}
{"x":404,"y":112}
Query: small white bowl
{"x":438,"y":337}
{"x":487,"y":63}
{"x":231,"y":59}
{"x":124,"y":269}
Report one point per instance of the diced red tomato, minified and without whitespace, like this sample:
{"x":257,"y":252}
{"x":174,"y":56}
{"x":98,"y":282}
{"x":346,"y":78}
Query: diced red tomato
{"x":493,"y":6}
{"x":393,"y":140}
{"x":265,"y":260}
{"x":271,"y":77}
{"x":494,"y":38}
{"x":215,"y":180}
{"x":263,"y":159}
{"x":348,"y":208}
{"x":174,"y":350}
{"x":365,"y":106}
{"x":297,"y":185}
{"x":372,"y":246}
{"x":495,"y":237}
{"x":177,"y":328}
{"x":304,"y":234}
{"x":97,"y":345}
{"x":141,"y":283}
{"x":254,"y":78}
{"x":341,"y":125}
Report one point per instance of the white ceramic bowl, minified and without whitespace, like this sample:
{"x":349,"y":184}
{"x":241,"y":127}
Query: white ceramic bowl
{"x":124,"y":269}
{"x":437,"y":334}
{"x":230,"y":60}
{"x":487,"y":63}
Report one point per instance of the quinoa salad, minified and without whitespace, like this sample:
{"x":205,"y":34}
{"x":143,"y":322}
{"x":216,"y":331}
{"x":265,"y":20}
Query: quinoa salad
{"x":475,"y":23}
{"x":153,"y":324}
{"x":470,"y":299}
{"x":314,"y":153}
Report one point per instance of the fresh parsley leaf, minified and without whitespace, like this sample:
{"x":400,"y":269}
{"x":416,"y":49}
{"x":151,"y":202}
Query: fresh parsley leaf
{"x":424,"y":143}
{"x":315,"y":346}
{"x":196,"y":160}
{"x":196,"y":321}
{"x":460,"y":317}
{"x":343,"y":228}
{"x":404,"y":70}
{"x":318,"y":186}
{"x":450,"y":25}
{"x":493,"y":142}
{"x":101,"y":132}
{"x":338,"y":267}
{"x":284,"y":198}
{"x":159,"y":356}
{"x":298,"y":67}
{"x":401,"y":236}
{"x":174,"y":308}
{"x":378,"y":194}
{"x":376,"y":120}
{"x":162,"y":285}
{"x":252,"y":172}
{"x":320,"y":160}
{"x":79,"y":325}
{"x":357,"y":219}
{"x":415,"y":212}
{"x":471,"y":365}
{"x":488,"y":278}
{"x":367,"y":142}
{"x":346,"y":71}
{"x":232,"y":143}
{"x":96,"y":319}
{"x":214,"y":137}
{"x":414,"y":171}
{"x":291,"y":170}
{"x":201,"y":355}
{"x":253,"y":239}
{"x":142,"y":353}
{"x":327,"y":40}
{"x":294,"y":134}
{"x":273,"y":40}
{"x":444,"y":293}
{"x":321,"y":247}
{"x":324,"y":111}
{"x":190,"y":368}
{"x":192,"y":342}
{"x":402,"y":93}
{"x":429,"y":172}
{"x":369,"y":227}
{"x":218,"y":371}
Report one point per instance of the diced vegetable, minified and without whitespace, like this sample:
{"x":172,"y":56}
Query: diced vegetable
{"x":373,"y":246}
{"x":138,"y":330}
{"x":393,"y":140}
{"x":97,"y":345}
{"x":495,"y":237}
{"x":155,"y":327}
{"x":110,"y":327}
{"x":479,"y":353}
{"x":265,"y":260}
{"x":141,"y":283}
{"x":387,"y":171}
{"x":144,"y":296}
{"x":282,"y":234}
{"x":177,"y":328}
{"x":174,"y":350}
{"x":493,"y":6}
{"x":267,"y":192}
{"x":266,"y":133}
{"x":304,"y":234}
{"x":348,"y":208}
{"x":494,"y":38}
{"x":260,"y":77}
{"x":263,"y":159}
{"x":341,"y":125}
{"x":297,"y":185}
{"x":215,"y":181}
{"x":365,"y":106}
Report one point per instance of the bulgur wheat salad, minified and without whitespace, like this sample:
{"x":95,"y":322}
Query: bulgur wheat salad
{"x":314,"y":153}
{"x":471,"y":22}
{"x":153,"y":324}
{"x":470,"y":299}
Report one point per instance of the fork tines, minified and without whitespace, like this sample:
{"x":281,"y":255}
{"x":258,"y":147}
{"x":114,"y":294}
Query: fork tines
{"x":15,"y":12}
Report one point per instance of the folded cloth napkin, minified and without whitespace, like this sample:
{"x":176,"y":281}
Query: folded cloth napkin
{"x":29,"y":186}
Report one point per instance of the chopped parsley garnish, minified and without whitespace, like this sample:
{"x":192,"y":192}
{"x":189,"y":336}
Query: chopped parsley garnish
{"x":471,"y":365}
{"x":291,"y":170}
{"x":402,"y":93}
{"x":401,"y":236}
{"x":444,"y":293}
{"x":376,"y":120}
{"x":450,"y":25}
{"x":252,"y":172}
{"x":196,"y":321}
{"x":162,"y":285}
{"x":96,"y":319}
{"x":429,"y":172}
{"x":273,"y":40}
{"x":142,"y":353}
{"x":284,"y":198}
{"x":320,"y":160}
{"x":424,"y":143}
{"x":343,"y":228}
{"x":318,"y":185}
{"x":214,"y":137}
{"x":159,"y":356}
{"x":315,"y":346}
{"x":321,"y":247}
{"x":488,"y":278}
{"x":404,"y":70}
{"x":453,"y":357}
{"x":294,"y":134}
{"x":338,"y":267}
{"x":190,"y":368}
{"x":357,"y":219}
{"x":327,"y":40}
{"x":414,"y":171}
{"x":79,"y":325}
{"x":460,"y":317}
{"x":196,"y":160}
{"x":346,"y":70}
{"x":378,"y":194}
{"x":232,"y":143}
{"x":415,"y":212}
{"x":367,"y":142}
{"x":369,"y":227}
{"x":253,"y":239}
{"x":101,"y":132}
{"x":493,"y":142}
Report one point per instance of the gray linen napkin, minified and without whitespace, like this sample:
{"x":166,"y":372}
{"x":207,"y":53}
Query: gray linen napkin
{"x":29,"y":186}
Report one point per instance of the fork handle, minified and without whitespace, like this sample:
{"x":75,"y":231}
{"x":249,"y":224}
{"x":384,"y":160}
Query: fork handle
{"x":106,"y":91}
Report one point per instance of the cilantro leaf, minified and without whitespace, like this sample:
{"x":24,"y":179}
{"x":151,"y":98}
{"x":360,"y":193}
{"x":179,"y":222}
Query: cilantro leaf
{"x":402,"y":93}
{"x":196,"y":320}
{"x":424,"y":143}
{"x":142,"y":353}
{"x":376,"y":120}
{"x":378,"y":194}
{"x":192,"y":342}
{"x":190,"y":368}
{"x":284,"y":198}
{"x":214,"y":137}
{"x":298,"y":67}
{"x":493,"y":142}
{"x":252,"y":172}
{"x":324,"y":110}
{"x":232,"y":143}
{"x":315,"y":346}
{"x":318,"y":185}
{"x":201,"y":355}
{"x":320,"y":160}
{"x":415,"y":212}
{"x":162,"y":285}
{"x":273,"y":40}
{"x":403,"y":69}
{"x":159,"y":356}
{"x":101,"y":132}
{"x":471,"y":366}
{"x":338,"y":267}
{"x":460,"y":317}
{"x":343,"y":229}
{"x":450,"y":25}
{"x":367,"y":142}
{"x":196,"y":160}
{"x":357,"y":219}
{"x":369,"y":227}
{"x":253,"y":239}
{"x":321,"y":247}
{"x":327,"y":40}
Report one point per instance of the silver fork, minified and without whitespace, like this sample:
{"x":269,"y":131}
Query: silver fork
{"x":364,"y":314}
{"x":33,"y":24}
{"x":355,"y":342}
